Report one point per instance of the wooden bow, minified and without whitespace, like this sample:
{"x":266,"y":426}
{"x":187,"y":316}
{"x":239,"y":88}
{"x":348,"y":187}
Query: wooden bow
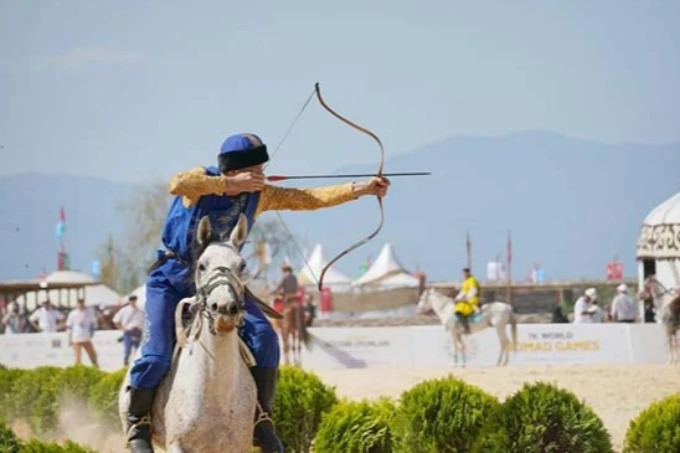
{"x":379,"y":173}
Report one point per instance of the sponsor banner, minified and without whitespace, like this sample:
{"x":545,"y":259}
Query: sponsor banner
{"x":433,"y":346}
{"x":408,"y":346}
{"x":358,"y":347}
{"x":648,"y":343}
{"x":555,"y":344}
{"x":39,"y":349}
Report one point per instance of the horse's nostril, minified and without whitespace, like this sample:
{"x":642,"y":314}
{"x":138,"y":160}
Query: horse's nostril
{"x":233,"y":309}
{"x":214,"y":306}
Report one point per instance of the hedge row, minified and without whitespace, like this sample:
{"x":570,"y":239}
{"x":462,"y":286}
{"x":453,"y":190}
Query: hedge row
{"x":439,"y":415}
{"x":10,"y":443}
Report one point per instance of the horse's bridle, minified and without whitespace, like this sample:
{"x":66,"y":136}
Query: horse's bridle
{"x":198,"y":307}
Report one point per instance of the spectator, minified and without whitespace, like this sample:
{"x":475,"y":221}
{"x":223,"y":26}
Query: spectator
{"x":624,"y":307}
{"x":47,"y":318}
{"x":130,"y":319}
{"x":581,"y":313}
{"x":14,"y":321}
{"x":596,"y":312}
{"x":558,"y":316}
{"x":81,"y":324}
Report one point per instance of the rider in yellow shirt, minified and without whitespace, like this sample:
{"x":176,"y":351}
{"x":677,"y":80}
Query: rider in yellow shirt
{"x":467,"y":300}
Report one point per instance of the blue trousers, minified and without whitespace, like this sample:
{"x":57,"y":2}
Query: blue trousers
{"x":130,"y":340}
{"x":167,"y":285}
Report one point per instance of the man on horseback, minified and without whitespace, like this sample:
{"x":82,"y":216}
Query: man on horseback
{"x":467,"y":299}
{"x":288,"y":285}
{"x":236,"y":186}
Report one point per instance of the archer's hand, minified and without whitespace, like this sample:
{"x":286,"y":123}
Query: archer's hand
{"x":376,"y":186}
{"x":247,"y":181}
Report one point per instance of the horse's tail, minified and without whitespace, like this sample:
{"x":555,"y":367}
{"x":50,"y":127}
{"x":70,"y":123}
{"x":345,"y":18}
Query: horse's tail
{"x":513,"y":330}
{"x":305,"y":335}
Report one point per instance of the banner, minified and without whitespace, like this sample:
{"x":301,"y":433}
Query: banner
{"x":407,"y":346}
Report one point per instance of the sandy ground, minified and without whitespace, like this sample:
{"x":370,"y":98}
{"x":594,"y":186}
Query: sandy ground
{"x":616,"y":393}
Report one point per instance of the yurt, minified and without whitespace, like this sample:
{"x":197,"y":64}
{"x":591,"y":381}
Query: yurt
{"x":658,"y":248}
{"x":387,"y":272}
{"x":95,"y":295}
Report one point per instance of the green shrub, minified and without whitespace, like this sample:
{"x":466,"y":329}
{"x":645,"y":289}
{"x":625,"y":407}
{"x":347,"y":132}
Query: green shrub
{"x":28,"y":391}
{"x":8,"y":379}
{"x":74,"y":383}
{"x":301,"y":400}
{"x":35,"y":446}
{"x":441,"y":415}
{"x":656,"y":429}
{"x":357,"y":427}
{"x":542,"y":418}
{"x":9,"y":443}
{"x":103,"y":398}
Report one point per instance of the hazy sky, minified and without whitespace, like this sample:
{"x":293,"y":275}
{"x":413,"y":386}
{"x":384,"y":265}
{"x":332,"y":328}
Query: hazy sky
{"x":136,"y":90}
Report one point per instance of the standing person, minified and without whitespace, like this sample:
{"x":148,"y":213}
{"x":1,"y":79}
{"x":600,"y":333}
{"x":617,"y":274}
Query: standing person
{"x":624,"y":308}
{"x":236,"y":186}
{"x":81,"y":324}
{"x":130,"y":319}
{"x":14,"y":321}
{"x":47,"y":318}
{"x":467,"y":299}
{"x":582,"y":315}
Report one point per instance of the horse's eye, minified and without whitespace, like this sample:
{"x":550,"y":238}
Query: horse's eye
{"x":201,"y":267}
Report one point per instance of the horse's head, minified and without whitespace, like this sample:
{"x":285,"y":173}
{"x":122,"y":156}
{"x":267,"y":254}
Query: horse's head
{"x":219,"y":272}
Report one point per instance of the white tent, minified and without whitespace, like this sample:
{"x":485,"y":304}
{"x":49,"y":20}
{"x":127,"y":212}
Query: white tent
{"x":310,"y":273}
{"x":95,"y":295}
{"x":386,"y":271}
{"x":658,"y":248}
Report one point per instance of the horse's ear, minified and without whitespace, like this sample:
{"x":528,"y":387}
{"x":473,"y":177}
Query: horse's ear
{"x":204,"y":232}
{"x":240,"y":232}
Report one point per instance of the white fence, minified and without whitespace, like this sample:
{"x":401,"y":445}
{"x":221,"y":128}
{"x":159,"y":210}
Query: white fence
{"x":411,"y":346}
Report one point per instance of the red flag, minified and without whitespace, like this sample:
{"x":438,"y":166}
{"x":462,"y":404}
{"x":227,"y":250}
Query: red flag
{"x":62,"y":214}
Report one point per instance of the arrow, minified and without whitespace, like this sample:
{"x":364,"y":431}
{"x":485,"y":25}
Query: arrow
{"x":365,"y":175}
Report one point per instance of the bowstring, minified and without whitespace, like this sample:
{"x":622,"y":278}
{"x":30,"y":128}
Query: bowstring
{"x":278,"y":214}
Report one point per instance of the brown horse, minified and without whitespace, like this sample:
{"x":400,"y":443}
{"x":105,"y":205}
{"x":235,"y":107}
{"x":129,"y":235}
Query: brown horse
{"x":292,"y":329}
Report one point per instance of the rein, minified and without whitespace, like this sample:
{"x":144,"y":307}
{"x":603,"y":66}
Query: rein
{"x":198,"y":307}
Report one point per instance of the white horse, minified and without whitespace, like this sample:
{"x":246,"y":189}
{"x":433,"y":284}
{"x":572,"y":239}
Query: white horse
{"x":493,"y":314}
{"x":670,"y":326}
{"x":663,"y":298}
{"x":207,"y":402}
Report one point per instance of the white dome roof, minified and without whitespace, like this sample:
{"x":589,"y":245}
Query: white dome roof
{"x":660,"y":232}
{"x":69,"y":277}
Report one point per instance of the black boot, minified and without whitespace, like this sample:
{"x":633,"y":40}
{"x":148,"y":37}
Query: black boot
{"x":464,"y":321}
{"x":139,"y":420}
{"x":265,"y":434}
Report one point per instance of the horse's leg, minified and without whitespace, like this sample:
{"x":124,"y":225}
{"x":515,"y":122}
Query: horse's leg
{"x":461,"y":340}
{"x":454,"y":346}
{"x":503,"y":340}
{"x":286,"y":345}
{"x":175,"y":448}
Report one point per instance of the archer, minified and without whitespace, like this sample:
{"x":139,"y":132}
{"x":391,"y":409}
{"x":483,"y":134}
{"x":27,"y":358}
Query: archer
{"x":236,"y":186}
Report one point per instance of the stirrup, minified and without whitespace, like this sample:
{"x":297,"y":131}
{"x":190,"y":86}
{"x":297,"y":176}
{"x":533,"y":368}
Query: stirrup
{"x":262,"y":416}
{"x":146,"y":420}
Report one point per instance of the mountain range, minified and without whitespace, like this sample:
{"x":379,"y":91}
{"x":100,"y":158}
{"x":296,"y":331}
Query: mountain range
{"x":570,"y":205}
